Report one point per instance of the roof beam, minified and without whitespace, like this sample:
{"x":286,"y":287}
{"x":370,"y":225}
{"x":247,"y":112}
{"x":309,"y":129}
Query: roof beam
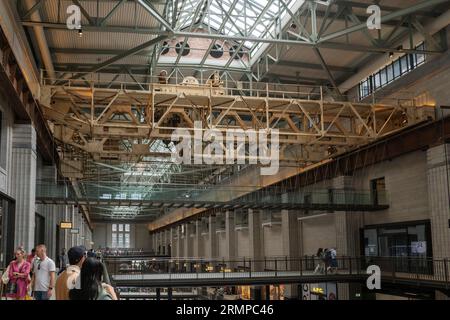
{"x":84,"y":12}
{"x":111,"y":13}
{"x":303,"y":65}
{"x":151,"y":9}
{"x":313,"y":66}
{"x":125,"y":54}
{"x":111,"y":29}
{"x":327,"y":70}
{"x":385,"y":18}
{"x":37,"y":6}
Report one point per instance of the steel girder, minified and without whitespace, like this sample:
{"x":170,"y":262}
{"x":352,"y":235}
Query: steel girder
{"x":272,"y":20}
{"x":122,"y":124}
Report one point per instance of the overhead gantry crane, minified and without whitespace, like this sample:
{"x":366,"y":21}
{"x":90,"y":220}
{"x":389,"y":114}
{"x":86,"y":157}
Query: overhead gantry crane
{"x":120,"y":124}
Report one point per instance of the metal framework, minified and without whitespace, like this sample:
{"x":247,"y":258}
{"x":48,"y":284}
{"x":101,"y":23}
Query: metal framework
{"x":260,"y":29}
{"x":127,"y":124}
{"x":112,"y":130}
{"x":117,"y":142}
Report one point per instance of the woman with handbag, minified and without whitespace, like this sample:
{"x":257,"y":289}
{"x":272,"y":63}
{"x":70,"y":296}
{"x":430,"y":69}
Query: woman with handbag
{"x":19,"y":270}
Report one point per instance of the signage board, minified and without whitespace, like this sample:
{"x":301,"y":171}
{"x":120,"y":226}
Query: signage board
{"x":74,"y":231}
{"x":65,"y":225}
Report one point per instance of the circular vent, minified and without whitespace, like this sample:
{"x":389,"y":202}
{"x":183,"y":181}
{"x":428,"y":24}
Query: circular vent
{"x":216,"y":51}
{"x":186,"y":49}
{"x":240,"y":53}
{"x":165,"y":48}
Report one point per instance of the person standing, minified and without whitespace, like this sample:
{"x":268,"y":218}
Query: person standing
{"x":92,"y":287}
{"x":333,"y":261}
{"x":69,"y":278}
{"x":321,"y":263}
{"x":19,"y":271}
{"x":43,"y":280}
{"x":63,"y":261}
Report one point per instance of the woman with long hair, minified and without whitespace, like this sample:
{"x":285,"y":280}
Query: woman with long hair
{"x":321,"y":264}
{"x":19,"y":276}
{"x":91,"y":286}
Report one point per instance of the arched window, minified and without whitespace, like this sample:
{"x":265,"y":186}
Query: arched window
{"x":165,"y":48}
{"x":216,"y":51}
{"x":186,"y":49}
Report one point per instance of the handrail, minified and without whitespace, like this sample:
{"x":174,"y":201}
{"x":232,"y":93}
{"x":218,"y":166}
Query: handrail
{"x":415,"y":269}
{"x":227,"y":86}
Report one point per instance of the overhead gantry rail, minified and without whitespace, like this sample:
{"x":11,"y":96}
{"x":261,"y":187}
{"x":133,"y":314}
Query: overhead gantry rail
{"x":210,"y":198}
{"x":119,"y":124}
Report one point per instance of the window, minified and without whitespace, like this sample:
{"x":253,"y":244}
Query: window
{"x":239,"y":54}
{"x":378,"y":190}
{"x":165,"y":48}
{"x":186,"y":49}
{"x":216,"y":51}
{"x":396,"y":69}
{"x":120,"y":237}
{"x":403,"y":241}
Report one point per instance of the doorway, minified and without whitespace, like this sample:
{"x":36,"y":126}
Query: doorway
{"x":39,"y":229}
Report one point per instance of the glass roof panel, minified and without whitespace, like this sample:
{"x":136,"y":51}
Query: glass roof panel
{"x":250,"y":18}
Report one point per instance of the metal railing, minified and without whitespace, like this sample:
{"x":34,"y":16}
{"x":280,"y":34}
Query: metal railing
{"x":315,"y":199}
{"x":227,"y":86}
{"x":423,"y":271}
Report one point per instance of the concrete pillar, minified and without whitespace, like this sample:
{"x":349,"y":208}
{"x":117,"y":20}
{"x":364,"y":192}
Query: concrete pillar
{"x":152,"y":241}
{"x":166,"y":236}
{"x":188,"y":245}
{"x":212,"y":237}
{"x":348,"y":225}
{"x":173,"y":243}
{"x":289,"y":235}
{"x":198,"y":239}
{"x":23,"y":180}
{"x":438,"y":167}
{"x":230,"y":237}
{"x":255,"y":239}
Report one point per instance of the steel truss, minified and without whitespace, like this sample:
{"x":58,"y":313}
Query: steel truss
{"x":123,"y":125}
{"x":261,"y":29}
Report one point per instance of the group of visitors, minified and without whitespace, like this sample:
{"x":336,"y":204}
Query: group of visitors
{"x":34,"y":276}
{"x":327,"y":261}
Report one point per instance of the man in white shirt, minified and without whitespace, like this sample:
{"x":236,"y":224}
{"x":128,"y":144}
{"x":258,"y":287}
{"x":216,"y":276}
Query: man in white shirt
{"x":43,"y":280}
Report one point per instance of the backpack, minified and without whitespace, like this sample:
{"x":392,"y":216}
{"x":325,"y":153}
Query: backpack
{"x":328,"y":255}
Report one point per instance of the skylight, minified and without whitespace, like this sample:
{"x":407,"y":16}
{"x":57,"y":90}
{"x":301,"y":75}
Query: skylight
{"x":234,"y":18}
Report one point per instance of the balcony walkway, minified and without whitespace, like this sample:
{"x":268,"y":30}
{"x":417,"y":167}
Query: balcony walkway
{"x":268,"y":198}
{"x":433,"y":274}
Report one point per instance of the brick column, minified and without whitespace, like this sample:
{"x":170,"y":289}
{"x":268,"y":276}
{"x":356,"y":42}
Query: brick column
{"x":347,"y":226}
{"x":212,"y":237}
{"x":438,"y":196}
{"x":197,"y":239}
{"x":289,"y":235}
{"x":23,"y":181}
{"x":230,"y":237}
{"x":255,"y":238}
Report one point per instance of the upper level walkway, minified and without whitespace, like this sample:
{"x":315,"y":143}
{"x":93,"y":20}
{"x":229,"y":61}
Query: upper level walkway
{"x":429,"y":273}
{"x":210,"y":198}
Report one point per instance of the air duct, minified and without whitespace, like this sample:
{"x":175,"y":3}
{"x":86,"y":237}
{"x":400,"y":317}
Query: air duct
{"x":41,"y":40}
